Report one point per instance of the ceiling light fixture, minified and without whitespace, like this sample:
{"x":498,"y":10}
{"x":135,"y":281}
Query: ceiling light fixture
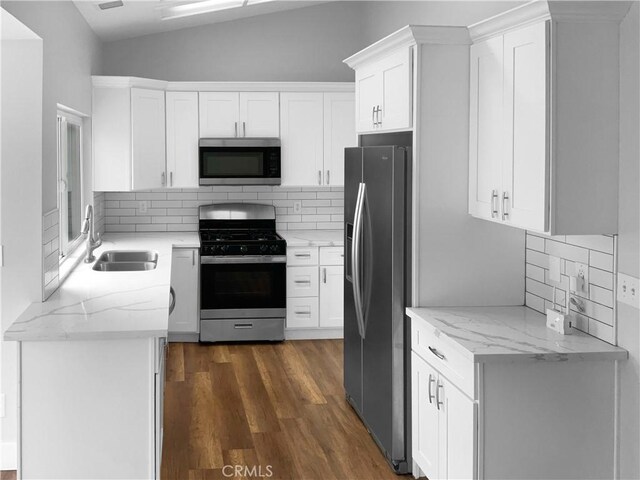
{"x":197,"y":8}
{"x":108,"y":5}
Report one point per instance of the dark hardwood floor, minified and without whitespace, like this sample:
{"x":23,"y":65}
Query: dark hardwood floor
{"x":263,"y":411}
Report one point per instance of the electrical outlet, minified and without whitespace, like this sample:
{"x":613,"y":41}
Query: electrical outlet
{"x":297,"y":206}
{"x":628,"y":290}
{"x":581,"y":273}
{"x":144,"y":205}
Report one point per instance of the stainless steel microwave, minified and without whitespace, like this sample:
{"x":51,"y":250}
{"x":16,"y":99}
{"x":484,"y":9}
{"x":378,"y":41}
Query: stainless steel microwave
{"x":239,"y":161}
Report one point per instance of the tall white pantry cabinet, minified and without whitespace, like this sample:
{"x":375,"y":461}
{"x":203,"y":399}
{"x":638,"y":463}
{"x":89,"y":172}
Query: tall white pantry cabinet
{"x":543,"y":137}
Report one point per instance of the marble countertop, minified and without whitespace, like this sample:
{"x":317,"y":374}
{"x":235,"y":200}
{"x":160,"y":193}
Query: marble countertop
{"x":93,"y":305}
{"x":489,"y":334}
{"x":313,"y":238}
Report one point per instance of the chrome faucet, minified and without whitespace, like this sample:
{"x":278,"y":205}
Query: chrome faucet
{"x":87,"y":229}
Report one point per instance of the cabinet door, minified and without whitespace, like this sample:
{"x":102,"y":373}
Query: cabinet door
{"x":219,"y":114}
{"x":259,"y":114}
{"x":147,"y":138}
{"x":395,"y":104}
{"x":339,"y":133}
{"x":368,"y":95}
{"x":486,"y":128}
{"x":182,"y":139}
{"x":302,"y":312}
{"x":184,"y":280}
{"x":302,"y":138}
{"x":457,"y":432}
{"x":526,"y":165}
{"x":331,"y":296}
{"x":424,"y":416}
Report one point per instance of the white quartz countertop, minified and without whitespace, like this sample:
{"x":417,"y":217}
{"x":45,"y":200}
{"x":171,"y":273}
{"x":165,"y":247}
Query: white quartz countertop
{"x":512,"y":333}
{"x":313,"y":238}
{"x":92,"y":305}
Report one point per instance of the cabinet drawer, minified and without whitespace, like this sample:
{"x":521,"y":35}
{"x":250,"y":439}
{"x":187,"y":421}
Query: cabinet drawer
{"x":444,"y":355}
{"x":302,"y":281}
{"x":332,"y":256}
{"x":302,"y":312}
{"x":302,"y":256}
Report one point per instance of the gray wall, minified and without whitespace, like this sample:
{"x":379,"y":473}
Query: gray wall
{"x":628,"y":244}
{"x":306,"y":44}
{"x":72,"y":52}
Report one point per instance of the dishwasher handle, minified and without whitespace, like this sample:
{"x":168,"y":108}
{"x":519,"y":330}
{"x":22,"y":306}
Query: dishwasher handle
{"x":172,"y":302}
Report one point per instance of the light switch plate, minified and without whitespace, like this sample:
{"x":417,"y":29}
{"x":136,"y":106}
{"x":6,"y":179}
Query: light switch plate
{"x":581,"y":271}
{"x":628,"y":290}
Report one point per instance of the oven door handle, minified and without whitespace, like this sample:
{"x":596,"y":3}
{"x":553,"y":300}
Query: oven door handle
{"x":210,"y":260}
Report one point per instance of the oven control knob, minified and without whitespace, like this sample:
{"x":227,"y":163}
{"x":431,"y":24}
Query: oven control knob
{"x":243,"y":249}
{"x":264,"y":248}
{"x":224,"y":248}
{"x":274,"y":248}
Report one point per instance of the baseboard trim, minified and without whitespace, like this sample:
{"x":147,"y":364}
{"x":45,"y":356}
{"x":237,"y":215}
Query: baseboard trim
{"x":184,"y":337}
{"x":313,"y":333}
{"x":8,"y":456}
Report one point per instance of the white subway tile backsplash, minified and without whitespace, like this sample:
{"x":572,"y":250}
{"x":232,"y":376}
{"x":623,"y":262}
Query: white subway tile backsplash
{"x":595,"y":251}
{"x":601,"y":260}
{"x":151,"y":228}
{"x":177,"y":209}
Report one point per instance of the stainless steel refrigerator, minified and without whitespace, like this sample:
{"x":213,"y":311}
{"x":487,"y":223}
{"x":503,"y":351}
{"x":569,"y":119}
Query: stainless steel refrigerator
{"x":377,"y":196}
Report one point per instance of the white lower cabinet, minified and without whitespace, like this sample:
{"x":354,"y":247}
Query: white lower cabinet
{"x":443,"y":442}
{"x":315,"y":292}
{"x":516,"y":417}
{"x":183,"y":321}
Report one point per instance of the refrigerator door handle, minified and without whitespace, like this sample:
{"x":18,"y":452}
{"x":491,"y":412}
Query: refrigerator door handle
{"x":355,"y":258}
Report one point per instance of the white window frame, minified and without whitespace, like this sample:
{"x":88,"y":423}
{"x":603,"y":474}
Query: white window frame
{"x":64,"y":117}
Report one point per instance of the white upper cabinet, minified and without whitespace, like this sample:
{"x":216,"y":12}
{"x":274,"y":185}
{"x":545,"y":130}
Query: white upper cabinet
{"x":339,"y":133}
{"x":302,"y":138}
{"x":259,"y":114}
{"x":147,"y":138}
{"x":219,"y":114}
{"x":128,"y":138}
{"x":182,"y":139}
{"x":485,"y":154}
{"x":383,"y":92}
{"x":239,"y":114}
{"x":543,"y":147}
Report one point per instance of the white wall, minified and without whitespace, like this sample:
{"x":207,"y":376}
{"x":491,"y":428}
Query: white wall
{"x":20,"y":206}
{"x":72,"y":53}
{"x":628,"y":244}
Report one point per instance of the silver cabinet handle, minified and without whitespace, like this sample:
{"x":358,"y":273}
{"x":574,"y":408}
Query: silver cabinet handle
{"x":328,"y":177}
{"x":324,"y":275}
{"x":306,"y":255}
{"x":436,"y":353}
{"x":171,"y":179}
{"x":236,"y":128}
{"x":302,"y":313}
{"x":172,"y":303}
{"x":431,"y":380}
{"x":438,"y":402}
{"x":373,"y":116}
{"x":494,"y":203}
{"x":193,"y":258}
{"x":379,"y":117}
{"x":243,"y":325}
{"x":302,"y":282}
{"x":319,"y":177}
{"x":505,"y":203}
{"x":244,"y":129}
{"x":164,"y":179}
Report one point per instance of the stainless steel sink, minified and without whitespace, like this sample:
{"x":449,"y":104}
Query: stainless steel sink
{"x":126,"y":261}
{"x":113,"y":256}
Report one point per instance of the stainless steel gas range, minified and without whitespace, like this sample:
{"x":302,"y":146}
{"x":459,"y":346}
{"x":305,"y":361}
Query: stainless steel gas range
{"x":242,"y":274}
